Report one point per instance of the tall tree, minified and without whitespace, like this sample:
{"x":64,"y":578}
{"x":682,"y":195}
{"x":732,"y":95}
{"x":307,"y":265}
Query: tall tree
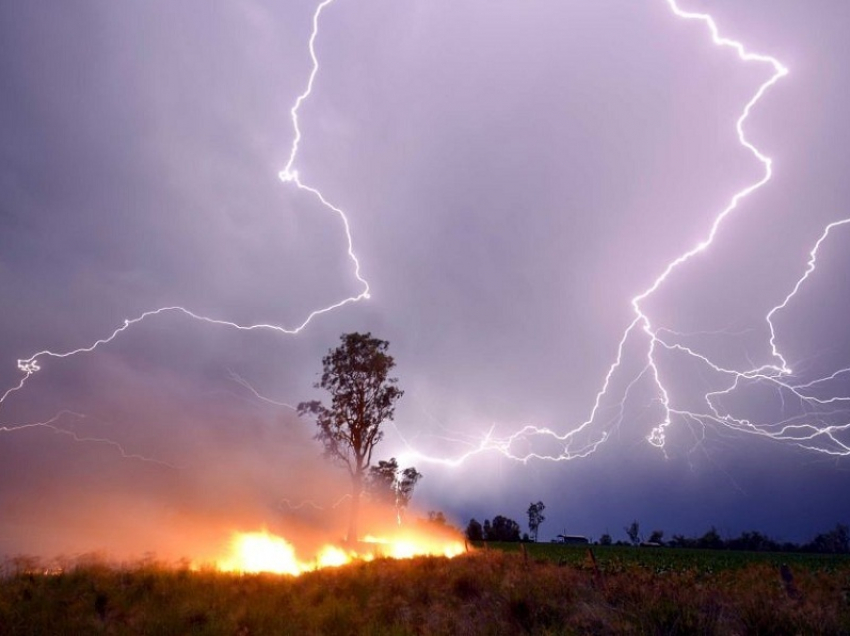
{"x":535,"y":517}
{"x":363,"y":397}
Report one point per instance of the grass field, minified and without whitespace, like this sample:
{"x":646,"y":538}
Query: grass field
{"x":618,"y":558}
{"x":549,"y":589}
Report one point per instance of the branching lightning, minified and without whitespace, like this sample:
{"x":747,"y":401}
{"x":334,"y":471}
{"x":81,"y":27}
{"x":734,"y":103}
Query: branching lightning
{"x":31,"y":365}
{"x":52,"y":424}
{"x":808,"y":431}
{"x":311,"y":504}
{"x":289,"y":174}
{"x":247,"y":385}
{"x":819,"y":426}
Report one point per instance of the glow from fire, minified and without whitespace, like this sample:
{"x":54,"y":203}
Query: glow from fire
{"x":262,"y":551}
{"x":407,"y":547}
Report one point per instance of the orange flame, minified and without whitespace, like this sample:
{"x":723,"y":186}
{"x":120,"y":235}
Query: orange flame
{"x":252,"y":552}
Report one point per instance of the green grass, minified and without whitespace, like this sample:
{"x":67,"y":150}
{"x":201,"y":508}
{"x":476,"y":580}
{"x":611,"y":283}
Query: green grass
{"x":618,"y":558}
{"x":489,"y":592}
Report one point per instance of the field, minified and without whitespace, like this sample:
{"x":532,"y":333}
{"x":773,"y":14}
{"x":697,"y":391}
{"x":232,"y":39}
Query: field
{"x":546,"y":589}
{"x":619,"y":558}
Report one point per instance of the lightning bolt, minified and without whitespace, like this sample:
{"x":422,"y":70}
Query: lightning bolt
{"x":310,"y":503}
{"x":807,"y":431}
{"x":52,"y":424}
{"x":289,"y":174}
{"x":31,"y":365}
{"x":247,"y":385}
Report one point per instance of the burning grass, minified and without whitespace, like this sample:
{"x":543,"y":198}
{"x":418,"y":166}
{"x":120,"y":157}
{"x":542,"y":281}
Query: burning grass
{"x":255,"y":552}
{"x":487,"y":592}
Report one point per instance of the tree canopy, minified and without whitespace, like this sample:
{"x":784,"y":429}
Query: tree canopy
{"x":363,"y":397}
{"x":389,"y":484}
{"x":501,"y":529}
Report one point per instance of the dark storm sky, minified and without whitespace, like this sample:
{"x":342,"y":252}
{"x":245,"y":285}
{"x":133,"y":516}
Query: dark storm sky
{"x":513,"y":172}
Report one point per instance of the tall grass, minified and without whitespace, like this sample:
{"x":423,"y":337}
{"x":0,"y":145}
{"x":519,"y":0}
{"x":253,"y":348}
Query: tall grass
{"x":488,"y":592}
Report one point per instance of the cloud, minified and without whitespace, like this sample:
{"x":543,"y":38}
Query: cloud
{"x":513,"y":177}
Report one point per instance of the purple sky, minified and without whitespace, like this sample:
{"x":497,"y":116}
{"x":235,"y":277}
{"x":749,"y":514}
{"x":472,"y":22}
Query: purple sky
{"x":514,"y":173}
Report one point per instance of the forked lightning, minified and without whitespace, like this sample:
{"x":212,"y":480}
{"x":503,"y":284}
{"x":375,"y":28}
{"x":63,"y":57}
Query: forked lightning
{"x":814,"y":430}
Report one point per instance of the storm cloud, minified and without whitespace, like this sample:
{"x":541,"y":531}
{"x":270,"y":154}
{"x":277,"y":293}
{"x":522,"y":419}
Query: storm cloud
{"x":514,"y":174}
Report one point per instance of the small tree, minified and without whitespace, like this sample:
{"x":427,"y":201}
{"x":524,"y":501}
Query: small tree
{"x":836,"y":541}
{"x":656,"y":536}
{"x":633,"y":530}
{"x":535,"y":518}
{"x":437,"y":518}
{"x":381,"y":479}
{"x":474,"y":531}
{"x":681,"y":541}
{"x":363,"y":396}
{"x":711,"y":540}
{"x":605,"y":539}
{"x":392,"y":486}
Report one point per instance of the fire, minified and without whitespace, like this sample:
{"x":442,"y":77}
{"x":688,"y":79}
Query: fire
{"x":252,"y":552}
{"x":261,"y":552}
{"x":411,"y":546}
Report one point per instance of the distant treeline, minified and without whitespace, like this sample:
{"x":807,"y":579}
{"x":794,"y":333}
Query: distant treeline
{"x":500,"y":529}
{"x":835,"y":541}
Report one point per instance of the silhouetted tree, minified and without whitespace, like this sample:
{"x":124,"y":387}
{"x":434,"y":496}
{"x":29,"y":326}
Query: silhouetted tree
{"x":753,"y":541}
{"x":474,"y":531}
{"x":487,"y":529}
{"x":390,"y":485}
{"x":381,"y":480}
{"x":656,"y":536}
{"x":681,"y":541}
{"x":633,"y":532}
{"x":535,"y":517}
{"x":605,"y":539}
{"x":503,"y":529}
{"x":836,"y":541}
{"x":437,"y":517}
{"x":711,"y":540}
{"x":363,"y":396}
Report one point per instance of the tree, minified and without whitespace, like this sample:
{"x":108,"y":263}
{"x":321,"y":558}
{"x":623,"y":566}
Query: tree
{"x":835,"y":541}
{"x":656,"y":536}
{"x":605,"y":539}
{"x":753,"y":541}
{"x":474,"y":531}
{"x":711,"y":540}
{"x":681,"y":541}
{"x":502,"y":529}
{"x":633,"y":530}
{"x":390,"y":485}
{"x":363,"y":396}
{"x":381,"y":480}
{"x":437,"y":518}
{"x":535,"y":518}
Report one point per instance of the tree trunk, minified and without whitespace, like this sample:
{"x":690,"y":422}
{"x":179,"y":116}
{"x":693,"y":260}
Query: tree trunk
{"x":354,"y":510}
